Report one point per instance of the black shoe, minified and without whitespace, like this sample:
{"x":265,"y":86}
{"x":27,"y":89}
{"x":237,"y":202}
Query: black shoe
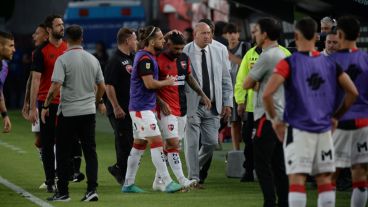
{"x":90,"y":196}
{"x":116,"y":172}
{"x":59,"y":197}
{"x":78,"y":177}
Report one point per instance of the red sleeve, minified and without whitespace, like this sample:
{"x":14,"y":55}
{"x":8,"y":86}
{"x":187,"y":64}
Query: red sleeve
{"x":189,"y":67}
{"x":282,"y":68}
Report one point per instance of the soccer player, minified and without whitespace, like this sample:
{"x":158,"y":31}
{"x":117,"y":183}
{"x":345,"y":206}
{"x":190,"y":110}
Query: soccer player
{"x":311,"y":81}
{"x":143,"y":84}
{"x":173,"y":103}
{"x":43,"y":61}
{"x":351,"y":136}
{"x":7,"y":50}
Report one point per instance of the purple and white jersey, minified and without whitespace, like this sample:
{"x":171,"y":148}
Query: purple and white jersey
{"x":354,"y":62}
{"x":141,"y":98}
{"x":310,"y":90}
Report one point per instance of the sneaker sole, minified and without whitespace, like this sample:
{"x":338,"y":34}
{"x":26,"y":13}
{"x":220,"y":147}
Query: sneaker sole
{"x":94,"y":198}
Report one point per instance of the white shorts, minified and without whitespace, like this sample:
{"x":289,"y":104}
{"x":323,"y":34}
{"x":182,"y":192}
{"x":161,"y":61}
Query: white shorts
{"x":144,"y":124}
{"x":172,"y":126}
{"x":351,"y":147}
{"x":36,"y":127}
{"x":309,"y":153}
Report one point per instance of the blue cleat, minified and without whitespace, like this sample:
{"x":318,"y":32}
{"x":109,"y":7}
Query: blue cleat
{"x":173,"y":187}
{"x":132,"y":189}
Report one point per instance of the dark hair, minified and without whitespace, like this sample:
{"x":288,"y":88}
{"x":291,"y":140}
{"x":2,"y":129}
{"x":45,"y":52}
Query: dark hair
{"x":308,"y":27}
{"x":209,"y":23}
{"x":231,"y":28}
{"x":6,"y":35}
{"x":42,"y":25}
{"x":219,"y":28}
{"x":146,"y":34}
{"x":50,"y":19}
{"x":123,"y":35}
{"x":74,"y":32}
{"x":189,"y":30}
{"x":176,"y":38}
{"x":350,"y":26}
{"x":271,"y":26}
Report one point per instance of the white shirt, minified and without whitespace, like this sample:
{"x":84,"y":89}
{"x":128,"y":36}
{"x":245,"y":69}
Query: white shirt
{"x":198,"y":59}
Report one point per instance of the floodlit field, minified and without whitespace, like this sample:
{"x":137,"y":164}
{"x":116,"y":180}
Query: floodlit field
{"x":20,"y":164}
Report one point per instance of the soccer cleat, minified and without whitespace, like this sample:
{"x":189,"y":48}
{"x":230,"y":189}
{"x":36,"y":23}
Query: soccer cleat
{"x":90,"y":196}
{"x":116,"y":172}
{"x":77,"y":177}
{"x":173,"y":187}
{"x":132,"y":189}
{"x":158,"y":185}
{"x":59,"y":197}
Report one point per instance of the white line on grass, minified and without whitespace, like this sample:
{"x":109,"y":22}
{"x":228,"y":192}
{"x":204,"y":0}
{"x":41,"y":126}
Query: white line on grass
{"x":12,"y":147}
{"x":24,"y":193}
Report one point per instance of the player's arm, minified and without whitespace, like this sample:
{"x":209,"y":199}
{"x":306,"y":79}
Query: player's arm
{"x":4,"y":114}
{"x":25,"y":109}
{"x":145,"y":71}
{"x":195,"y":86}
{"x":53,"y":92}
{"x":351,"y":93}
{"x":36,"y":69}
{"x":111,"y":95}
{"x":164,"y":107}
{"x":100,"y":91}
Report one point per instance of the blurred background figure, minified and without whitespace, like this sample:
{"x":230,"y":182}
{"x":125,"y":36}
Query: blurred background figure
{"x":101,"y":54}
{"x":188,"y":35}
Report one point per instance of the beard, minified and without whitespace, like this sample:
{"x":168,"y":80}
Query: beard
{"x":158,"y":49}
{"x":58,"y":35}
{"x":174,"y":55}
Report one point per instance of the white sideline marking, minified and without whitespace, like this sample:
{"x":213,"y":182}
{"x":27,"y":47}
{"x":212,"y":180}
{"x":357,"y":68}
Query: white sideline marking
{"x":24,"y":193}
{"x":12,"y":147}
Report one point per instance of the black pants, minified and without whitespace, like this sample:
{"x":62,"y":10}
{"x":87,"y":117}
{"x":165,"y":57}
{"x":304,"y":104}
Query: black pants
{"x":123,"y":140}
{"x":47,"y":135}
{"x":269,"y":165}
{"x":68,"y":129}
{"x":247,"y":133}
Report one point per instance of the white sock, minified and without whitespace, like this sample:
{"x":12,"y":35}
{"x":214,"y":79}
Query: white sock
{"x":297,"y":199}
{"x":133,"y":165}
{"x":158,"y":159}
{"x":326,"y":199}
{"x":175,"y":164}
{"x":359,"y":197}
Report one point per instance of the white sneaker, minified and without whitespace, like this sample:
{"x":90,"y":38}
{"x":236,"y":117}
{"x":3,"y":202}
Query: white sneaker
{"x":158,"y":185}
{"x":43,"y":186}
{"x":186,"y":183}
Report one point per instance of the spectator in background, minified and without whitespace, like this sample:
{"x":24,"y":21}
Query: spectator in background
{"x":219,"y":34}
{"x":327,"y":25}
{"x":237,"y":50}
{"x":7,"y":50}
{"x":331,"y":43}
{"x":188,"y":35}
{"x":101,"y":54}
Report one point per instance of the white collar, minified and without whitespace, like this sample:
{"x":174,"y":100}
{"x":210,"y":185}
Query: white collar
{"x":200,"y":49}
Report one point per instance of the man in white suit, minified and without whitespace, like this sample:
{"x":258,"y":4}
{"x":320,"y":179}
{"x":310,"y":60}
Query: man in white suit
{"x":210,"y":69}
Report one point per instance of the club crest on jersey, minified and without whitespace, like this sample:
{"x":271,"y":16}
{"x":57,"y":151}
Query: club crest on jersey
{"x":183,"y":64}
{"x":153,"y":126}
{"x":129,"y":68}
{"x":148,"y":66}
{"x":170,"y":127}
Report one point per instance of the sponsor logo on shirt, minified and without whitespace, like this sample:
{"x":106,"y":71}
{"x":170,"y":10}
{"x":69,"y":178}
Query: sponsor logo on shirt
{"x":315,"y":81}
{"x":129,"y":68}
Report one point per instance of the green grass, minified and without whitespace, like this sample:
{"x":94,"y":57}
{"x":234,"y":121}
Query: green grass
{"x":25,"y":171}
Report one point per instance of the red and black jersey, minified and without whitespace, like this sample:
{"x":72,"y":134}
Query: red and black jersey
{"x":43,"y":61}
{"x":174,"y":95}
